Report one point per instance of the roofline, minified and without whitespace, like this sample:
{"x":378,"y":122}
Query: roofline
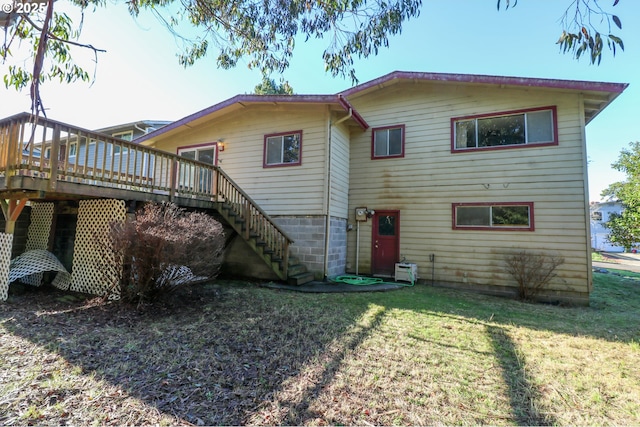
{"x":136,"y":123}
{"x":356,"y":116}
{"x":616,"y":88}
{"x":239,"y":99}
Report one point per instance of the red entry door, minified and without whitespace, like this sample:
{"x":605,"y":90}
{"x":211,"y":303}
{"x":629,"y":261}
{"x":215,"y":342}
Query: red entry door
{"x":386,"y":242}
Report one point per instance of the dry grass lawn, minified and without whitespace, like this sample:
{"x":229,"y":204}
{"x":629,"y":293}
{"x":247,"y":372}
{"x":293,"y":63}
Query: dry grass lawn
{"x":237,"y":353}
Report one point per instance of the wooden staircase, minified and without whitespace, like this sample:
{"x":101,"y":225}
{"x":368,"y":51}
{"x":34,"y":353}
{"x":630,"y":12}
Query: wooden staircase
{"x":262,"y":235}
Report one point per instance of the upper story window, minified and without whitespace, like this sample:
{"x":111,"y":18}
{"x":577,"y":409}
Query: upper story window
{"x":73,"y":149}
{"x":493,"y":216}
{"x":387,"y":142}
{"x":128,"y":135}
{"x":283,"y":149}
{"x":505,"y":130}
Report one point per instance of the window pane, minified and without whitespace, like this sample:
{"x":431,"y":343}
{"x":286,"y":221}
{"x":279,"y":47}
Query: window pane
{"x":510,"y":216}
{"x":386,"y":225}
{"x":124,"y":135}
{"x":395,"y":142}
{"x":274,"y":150}
{"x":206,"y":156}
{"x":291,"y":149}
{"x":540,"y":126}
{"x":466,"y":134}
{"x":497,"y":131}
{"x":381,"y":143}
{"x":473,"y":216}
{"x":191,"y":155}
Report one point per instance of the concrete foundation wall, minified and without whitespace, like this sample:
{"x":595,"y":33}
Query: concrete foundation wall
{"x":308,"y":232}
{"x":337,"y":247}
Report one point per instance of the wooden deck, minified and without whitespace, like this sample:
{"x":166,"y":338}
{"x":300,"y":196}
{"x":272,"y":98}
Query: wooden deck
{"x":46,"y":160}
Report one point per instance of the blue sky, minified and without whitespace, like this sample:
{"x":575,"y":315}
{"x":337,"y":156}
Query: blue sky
{"x":139,"y":76}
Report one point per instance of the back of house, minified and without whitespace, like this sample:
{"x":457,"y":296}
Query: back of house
{"x":447,"y":175}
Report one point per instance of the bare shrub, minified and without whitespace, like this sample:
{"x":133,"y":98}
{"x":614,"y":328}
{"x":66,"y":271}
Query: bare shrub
{"x":164,"y":247}
{"x":532,"y":272}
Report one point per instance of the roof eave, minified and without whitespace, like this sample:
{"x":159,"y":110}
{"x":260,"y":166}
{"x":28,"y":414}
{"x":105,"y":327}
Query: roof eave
{"x":254,"y":99}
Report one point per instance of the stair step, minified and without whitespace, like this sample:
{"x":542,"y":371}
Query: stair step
{"x":300,"y":279}
{"x":296,"y":269}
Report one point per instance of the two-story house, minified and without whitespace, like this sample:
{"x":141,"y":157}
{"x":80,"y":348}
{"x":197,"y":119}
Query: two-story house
{"x":449,"y":172}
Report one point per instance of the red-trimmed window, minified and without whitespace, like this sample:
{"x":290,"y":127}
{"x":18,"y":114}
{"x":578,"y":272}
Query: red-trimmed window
{"x":493,"y":216}
{"x":387,"y":142}
{"x":532,"y":127}
{"x":283,"y":149}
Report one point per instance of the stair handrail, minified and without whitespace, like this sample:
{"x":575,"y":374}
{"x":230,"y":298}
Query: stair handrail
{"x":223,"y":174}
{"x":273,"y":236}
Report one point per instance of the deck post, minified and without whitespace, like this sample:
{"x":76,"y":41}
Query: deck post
{"x":12,"y":150}
{"x":11,"y":210}
{"x":285,"y":259}
{"x":216,"y":178}
{"x":247,"y":219}
{"x":53,"y":158}
{"x":173,"y":172}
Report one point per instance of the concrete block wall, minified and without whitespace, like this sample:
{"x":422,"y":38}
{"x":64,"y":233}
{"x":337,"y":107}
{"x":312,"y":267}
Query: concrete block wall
{"x":308,"y":232}
{"x":337,"y":247}
{"x":309,"y":235}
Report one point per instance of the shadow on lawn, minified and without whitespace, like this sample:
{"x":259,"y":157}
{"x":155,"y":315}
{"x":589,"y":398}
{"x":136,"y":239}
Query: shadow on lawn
{"x":211,"y":361}
{"x":221,"y":355}
{"x":524,"y":396}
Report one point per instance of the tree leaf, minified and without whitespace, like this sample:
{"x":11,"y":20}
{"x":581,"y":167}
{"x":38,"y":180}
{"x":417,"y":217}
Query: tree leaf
{"x":617,"y":21}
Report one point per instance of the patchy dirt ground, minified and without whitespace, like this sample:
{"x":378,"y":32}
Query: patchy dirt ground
{"x":208,"y":355}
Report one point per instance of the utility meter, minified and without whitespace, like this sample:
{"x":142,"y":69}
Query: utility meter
{"x":361,"y":214}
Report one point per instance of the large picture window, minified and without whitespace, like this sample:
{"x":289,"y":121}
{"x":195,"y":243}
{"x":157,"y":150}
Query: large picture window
{"x":505,"y":130}
{"x":283,"y":149}
{"x":493,"y":216}
{"x":387,"y":142}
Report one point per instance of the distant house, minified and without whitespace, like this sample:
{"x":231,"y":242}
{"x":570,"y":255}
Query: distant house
{"x":133,"y":130}
{"x":600,"y":213}
{"x":80,"y":154}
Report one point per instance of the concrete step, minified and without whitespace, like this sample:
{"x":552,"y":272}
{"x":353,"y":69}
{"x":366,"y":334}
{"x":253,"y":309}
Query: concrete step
{"x":296,"y":269}
{"x":300,"y":279}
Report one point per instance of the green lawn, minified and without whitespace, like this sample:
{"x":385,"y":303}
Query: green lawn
{"x":236,"y":353}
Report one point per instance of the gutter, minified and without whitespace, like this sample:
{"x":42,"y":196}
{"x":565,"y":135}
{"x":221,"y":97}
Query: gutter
{"x":327,"y":234}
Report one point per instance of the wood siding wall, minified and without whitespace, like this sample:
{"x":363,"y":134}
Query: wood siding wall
{"x":424,"y":184}
{"x":339,"y":171}
{"x":287,"y":190}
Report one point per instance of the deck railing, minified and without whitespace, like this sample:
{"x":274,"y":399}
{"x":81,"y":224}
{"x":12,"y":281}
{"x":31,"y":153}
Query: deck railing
{"x":56,"y":152}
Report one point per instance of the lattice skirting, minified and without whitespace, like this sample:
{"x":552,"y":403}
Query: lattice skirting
{"x":95,"y":270}
{"x":40,"y":226}
{"x":6,"y":244}
{"x":38,"y":236}
{"x":30,"y":266}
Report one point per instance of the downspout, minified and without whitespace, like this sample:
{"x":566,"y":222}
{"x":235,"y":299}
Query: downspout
{"x":585,"y":179}
{"x":327,"y":234}
{"x":144,"y":131}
